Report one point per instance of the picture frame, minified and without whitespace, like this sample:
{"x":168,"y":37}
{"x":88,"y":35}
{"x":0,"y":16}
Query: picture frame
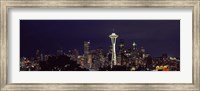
{"x":4,"y":44}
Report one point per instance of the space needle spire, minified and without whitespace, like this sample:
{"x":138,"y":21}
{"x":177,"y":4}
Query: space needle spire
{"x":113,"y":37}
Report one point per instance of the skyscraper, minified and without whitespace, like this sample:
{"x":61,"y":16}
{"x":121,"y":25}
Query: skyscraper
{"x":37,"y":55}
{"x":113,"y":37}
{"x":75,"y":54}
{"x":121,"y":45}
{"x":120,"y":52}
{"x":86,"y":49}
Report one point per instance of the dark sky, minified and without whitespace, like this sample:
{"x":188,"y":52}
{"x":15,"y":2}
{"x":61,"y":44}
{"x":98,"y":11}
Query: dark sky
{"x":156,"y":36}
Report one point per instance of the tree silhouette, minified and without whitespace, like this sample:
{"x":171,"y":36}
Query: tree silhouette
{"x":60,"y":63}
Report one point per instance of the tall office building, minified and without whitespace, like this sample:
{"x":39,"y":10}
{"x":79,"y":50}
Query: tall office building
{"x":142,"y":52}
{"x":121,"y":45}
{"x":120,"y":53}
{"x":41,"y":57}
{"x":37,"y":55}
{"x":86,"y":48}
{"x":75,"y":54}
{"x":113,"y":37}
{"x":90,"y":60}
{"x":46,"y":57}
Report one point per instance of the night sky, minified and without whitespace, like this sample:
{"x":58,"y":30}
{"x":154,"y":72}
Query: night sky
{"x":156,"y":36}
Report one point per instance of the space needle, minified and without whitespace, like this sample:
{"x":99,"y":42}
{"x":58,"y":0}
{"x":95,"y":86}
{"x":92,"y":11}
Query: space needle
{"x":113,"y":37}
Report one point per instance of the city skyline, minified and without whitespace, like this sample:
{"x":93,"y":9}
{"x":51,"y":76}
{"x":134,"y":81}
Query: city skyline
{"x":156,"y":36}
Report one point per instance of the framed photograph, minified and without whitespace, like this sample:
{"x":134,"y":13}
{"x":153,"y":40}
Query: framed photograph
{"x":99,"y":45}
{"x":98,"y":50}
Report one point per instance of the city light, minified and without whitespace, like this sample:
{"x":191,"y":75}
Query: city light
{"x":125,"y":59}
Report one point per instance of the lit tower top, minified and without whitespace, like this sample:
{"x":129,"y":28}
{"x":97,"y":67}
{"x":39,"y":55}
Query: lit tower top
{"x":113,"y":37}
{"x":134,"y":46}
